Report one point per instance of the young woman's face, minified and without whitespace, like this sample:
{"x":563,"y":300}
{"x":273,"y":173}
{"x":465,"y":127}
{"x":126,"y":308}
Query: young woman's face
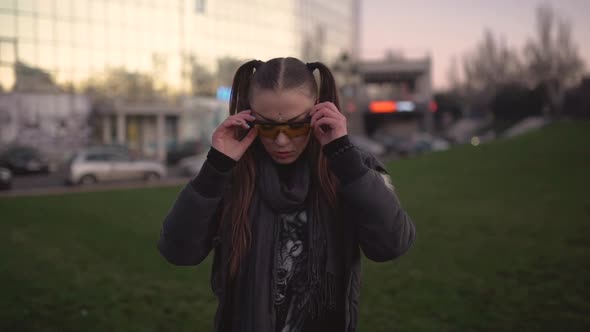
{"x":283,"y":144}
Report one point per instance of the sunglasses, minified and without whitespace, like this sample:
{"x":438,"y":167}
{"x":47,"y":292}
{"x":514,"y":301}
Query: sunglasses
{"x":291,"y":129}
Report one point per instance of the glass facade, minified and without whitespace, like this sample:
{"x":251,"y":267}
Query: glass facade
{"x":77,"y":40}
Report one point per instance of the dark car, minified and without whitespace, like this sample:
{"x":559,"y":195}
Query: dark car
{"x":183,"y":150}
{"x":5,"y":179}
{"x":23,"y":160}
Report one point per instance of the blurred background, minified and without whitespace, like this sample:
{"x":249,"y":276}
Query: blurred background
{"x":480,"y":110}
{"x":150,"y":80}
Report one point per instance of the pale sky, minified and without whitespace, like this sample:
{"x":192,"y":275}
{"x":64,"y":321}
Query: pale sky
{"x":447,"y":28}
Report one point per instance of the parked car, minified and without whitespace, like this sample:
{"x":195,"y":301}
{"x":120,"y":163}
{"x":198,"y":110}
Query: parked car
{"x":101,"y":164}
{"x":20,"y":159}
{"x":119,"y":148}
{"x":366,"y":144}
{"x":5,"y":179}
{"x":414,"y":144}
{"x":191,"y":166}
{"x":186,"y":149}
{"x":426,"y":142}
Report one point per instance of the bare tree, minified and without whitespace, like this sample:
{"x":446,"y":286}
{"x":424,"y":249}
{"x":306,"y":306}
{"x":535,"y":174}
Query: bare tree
{"x":490,"y":65}
{"x":158,"y":72}
{"x":226,"y":68}
{"x":454,"y":75}
{"x":202,"y":80}
{"x":33,"y":79}
{"x":552,"y":57}
{"x":119,"y":83}
{"x":485,"y":69}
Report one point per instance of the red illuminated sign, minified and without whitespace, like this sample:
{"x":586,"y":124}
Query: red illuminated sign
{"x":383,"y":106}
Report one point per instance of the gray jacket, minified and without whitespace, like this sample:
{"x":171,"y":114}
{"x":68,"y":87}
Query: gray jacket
{"x":373,"y":220}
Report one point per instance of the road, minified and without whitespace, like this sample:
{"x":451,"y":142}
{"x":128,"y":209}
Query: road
{"x":53,"y":183}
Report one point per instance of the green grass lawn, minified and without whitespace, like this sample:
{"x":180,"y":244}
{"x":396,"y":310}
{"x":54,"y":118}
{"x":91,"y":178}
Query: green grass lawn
{"x":503,"y":245}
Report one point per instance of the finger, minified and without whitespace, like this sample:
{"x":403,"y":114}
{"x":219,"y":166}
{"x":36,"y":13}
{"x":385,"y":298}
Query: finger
{"x":322,"y":104}
{"x":229,"y":122}
{"x":333,"y":110}
{"x":324,"y":112}
{"x":245,"y":115}
{"x":242,"y":117}
{"x":325,"y":104}
{"x":330,"y":122}
{"x":249,"y":138}
{"x":318,"y":131}
{"x":235,"y":122}
{"x":316,"y":116}
{"x":317,"y":107}
{"x":320,"y":127}
{"x":241,"y":123}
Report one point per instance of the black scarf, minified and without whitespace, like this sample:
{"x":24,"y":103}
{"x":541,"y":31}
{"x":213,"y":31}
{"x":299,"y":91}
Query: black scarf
{"x":255,"y":284}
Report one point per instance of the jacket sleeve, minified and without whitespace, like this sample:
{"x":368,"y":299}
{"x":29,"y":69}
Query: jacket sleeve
{"x":189,"y":229}
{"x":384,"y":229}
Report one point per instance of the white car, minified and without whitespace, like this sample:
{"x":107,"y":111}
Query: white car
{"x":101,"y":164}
{"x":191,"y":166}
{"x":5,"y":178}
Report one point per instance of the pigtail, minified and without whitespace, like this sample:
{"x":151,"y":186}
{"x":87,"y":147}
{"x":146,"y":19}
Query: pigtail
{"x":241,"y":86}
{"x":328,"y":90}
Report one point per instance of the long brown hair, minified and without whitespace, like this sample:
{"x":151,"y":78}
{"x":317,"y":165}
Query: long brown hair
{"x":276,"y":74}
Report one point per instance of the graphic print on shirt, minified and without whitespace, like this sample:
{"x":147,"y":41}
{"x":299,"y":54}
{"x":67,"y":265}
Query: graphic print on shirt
{"x":291,"y":261}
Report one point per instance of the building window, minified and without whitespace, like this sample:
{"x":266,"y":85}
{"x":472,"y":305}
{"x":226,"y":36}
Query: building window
{"x":7,"y":52}
{"x":7,"y":4}
{"x":26,"y":5}
{"x":200,"y":6}
{"x":7,"y":25}
{"x":26,"y":28}
{"x":6,"y":78}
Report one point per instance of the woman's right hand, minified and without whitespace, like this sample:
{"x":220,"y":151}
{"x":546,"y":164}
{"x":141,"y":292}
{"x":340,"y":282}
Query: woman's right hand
{"x":224,"y":139}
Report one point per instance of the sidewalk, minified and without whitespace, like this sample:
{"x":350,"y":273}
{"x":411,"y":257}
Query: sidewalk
{"x":93,"y":188}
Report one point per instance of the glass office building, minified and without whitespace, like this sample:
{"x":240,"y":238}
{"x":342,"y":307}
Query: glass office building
{"x":76,"y":40}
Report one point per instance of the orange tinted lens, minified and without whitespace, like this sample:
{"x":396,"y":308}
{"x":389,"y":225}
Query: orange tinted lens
{"x":292,"y":131}
{"x":268,"y":131}
{"x":296,"y":130}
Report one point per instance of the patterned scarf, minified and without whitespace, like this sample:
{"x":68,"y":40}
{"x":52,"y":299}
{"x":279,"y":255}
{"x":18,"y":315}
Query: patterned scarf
{"x":255,"y":284}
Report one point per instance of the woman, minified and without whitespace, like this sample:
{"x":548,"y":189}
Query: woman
{"x":286,"y":201}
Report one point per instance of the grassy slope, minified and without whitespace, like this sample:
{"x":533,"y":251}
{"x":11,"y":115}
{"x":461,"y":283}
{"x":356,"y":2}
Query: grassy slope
{"x":502,"y":239}
{"x":502,"y":245}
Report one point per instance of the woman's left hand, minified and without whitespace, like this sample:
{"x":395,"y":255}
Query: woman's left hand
{"x":327,"y":122}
